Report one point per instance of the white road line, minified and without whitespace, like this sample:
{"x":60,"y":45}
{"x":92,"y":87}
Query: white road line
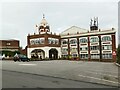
{"x":28,"y":64}
{"x":105,"y":71}
{"x":97,"y":78}
{"x":107,"y":63}
{"x":103,"y":74}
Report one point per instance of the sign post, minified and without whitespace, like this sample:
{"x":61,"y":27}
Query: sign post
{"x":114,"y":55}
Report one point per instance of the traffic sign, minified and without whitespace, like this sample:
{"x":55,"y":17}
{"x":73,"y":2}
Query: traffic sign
{"x":114,"y":53}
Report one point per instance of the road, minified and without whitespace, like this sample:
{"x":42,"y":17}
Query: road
{"x":24,"y":80}
{"x":94,"y":72}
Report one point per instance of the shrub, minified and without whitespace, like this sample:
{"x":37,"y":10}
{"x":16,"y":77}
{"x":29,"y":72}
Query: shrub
{"x":10,"y":53}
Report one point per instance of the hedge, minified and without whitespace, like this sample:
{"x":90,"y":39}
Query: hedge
{"x":9,"y":53}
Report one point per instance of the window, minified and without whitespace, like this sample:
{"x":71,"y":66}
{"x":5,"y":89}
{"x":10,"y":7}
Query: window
{"x":95,"y":56}
{"x":84,"y":56}
{"x":64,"y":56}
{"x":106,"y":38}
{"x":83,"y":48}
{"x":73,"y":41}
{"x":64,"y":42}
{"x":107,"y":56}
{"x":94,"y":39}
{"x":32,"y":42}
{"x":37,"y":41}
{"x":94,"y":47}
{"x":53,"y":41}
{"x":74,"y":55}
{"x":8,"y":44}
{"x":73,"y":49}
{"x":107,"y":47}
{"x":64,"y":49}
{"x":83,"y":40}
{"x":56,"y":41}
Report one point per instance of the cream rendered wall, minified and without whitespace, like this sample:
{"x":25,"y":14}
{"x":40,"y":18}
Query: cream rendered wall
{"x":45,"y":49}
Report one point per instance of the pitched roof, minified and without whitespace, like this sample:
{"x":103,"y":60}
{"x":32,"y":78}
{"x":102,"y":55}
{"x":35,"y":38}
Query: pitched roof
{"x":73,"y":30}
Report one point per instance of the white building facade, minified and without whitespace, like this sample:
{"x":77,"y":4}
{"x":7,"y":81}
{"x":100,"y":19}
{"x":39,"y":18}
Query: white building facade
{"x":44,"y":44}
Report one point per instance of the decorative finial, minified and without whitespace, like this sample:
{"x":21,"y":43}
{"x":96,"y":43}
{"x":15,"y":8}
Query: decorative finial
{"x":43,"y":16}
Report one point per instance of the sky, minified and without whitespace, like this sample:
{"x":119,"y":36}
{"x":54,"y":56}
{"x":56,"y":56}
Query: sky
{"x":18,"y":19}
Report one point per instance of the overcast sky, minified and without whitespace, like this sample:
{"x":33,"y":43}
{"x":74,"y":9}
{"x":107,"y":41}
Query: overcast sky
{"x":19,"y":18}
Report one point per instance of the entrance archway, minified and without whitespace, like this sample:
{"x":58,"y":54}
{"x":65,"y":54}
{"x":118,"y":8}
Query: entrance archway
{"x":53,"y":53}
{"x":38,"y":53}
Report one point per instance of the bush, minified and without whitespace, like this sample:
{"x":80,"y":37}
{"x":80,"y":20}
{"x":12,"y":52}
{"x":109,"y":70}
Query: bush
{"x":10,"y":53}
{"x":118,"y":54}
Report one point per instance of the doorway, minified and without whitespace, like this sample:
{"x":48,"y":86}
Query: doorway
{"x":53,"y":54}
{"x":38,"y":53}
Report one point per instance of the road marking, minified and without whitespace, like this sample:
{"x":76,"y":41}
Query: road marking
{"x":103,"y":74}
{"x":28,"y":64}
{"x":105,"y":71}
{"x":97,"y":78}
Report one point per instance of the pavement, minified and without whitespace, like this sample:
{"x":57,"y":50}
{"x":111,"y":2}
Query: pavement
{"x":95,"y":72}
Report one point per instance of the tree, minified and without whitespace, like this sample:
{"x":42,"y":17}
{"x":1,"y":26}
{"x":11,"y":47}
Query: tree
{"x":10,"y":53}
{"x":118,"y":54}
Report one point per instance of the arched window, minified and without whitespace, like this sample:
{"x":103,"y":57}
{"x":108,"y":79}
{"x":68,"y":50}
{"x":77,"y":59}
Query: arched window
{"x":64,"y":42}
{"x":106,"y":38}
{"x":32,"y":42}
{"x":83,"y":40}
{"x":73,"y":41}
{"x":94,"y":39}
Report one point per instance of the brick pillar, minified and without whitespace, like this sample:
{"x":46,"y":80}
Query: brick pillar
{"x":78,"y":48}
{"x":89,"y":56}
{"x":100,"y":47}
{"x":68,"y":49}
{"x":46,"y":40}
{"x":28,"y":40}
{"x":113,"y":47}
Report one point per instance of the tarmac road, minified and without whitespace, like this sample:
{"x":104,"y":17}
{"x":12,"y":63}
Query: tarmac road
{"x":13,"y":79}
{"x":95,"y":72}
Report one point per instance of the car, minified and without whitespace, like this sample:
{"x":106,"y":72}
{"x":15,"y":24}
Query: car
{"x":21,"y":57}
{"x":2,"y":57}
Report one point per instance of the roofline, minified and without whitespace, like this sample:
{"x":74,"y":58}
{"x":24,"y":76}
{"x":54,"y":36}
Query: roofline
{"x":89,"y":33}
{"x":71,"y":27}
{"x":9,"y":40}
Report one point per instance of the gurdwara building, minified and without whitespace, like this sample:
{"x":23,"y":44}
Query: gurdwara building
{"x":75,"y":43}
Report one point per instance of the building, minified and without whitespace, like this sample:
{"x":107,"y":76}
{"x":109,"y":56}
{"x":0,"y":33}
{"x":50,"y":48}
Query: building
{"x":9,"y":45}
{"x":93,"y":44}
{"x":43,"y":44}
{"x":74,"y":43}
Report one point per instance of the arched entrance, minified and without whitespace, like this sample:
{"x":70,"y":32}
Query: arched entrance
{"x":53,"y":53}
{"x":38,"y":53}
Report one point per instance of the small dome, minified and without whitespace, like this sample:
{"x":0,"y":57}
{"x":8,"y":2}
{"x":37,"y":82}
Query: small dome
{"x":44,"y":22}
{"x":44,"y":27}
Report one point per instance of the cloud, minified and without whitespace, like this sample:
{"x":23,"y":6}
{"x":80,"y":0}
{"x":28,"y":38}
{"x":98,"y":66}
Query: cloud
{"x":18,"y":19}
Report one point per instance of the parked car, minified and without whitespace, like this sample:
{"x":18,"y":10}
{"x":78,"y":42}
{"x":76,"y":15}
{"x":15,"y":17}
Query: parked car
{"x":21,"y":57}
{"x":2,"y":57}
